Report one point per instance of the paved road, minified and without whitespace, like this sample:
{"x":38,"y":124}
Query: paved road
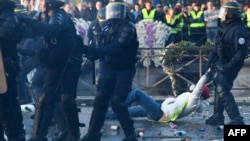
{"x":193,"y":125}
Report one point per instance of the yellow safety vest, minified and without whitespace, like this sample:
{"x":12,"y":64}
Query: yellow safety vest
{"x":174,"y":30}
{"x":196,"y":16}
{"x":181,"y":24}
{"x":248,"y":18}
{"x":150,"y":16}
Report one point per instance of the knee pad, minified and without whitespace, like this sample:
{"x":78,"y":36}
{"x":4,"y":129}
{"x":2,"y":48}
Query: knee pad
{"x":221,"y":91}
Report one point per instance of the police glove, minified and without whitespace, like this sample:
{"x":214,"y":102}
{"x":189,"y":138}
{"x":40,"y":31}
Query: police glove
{"x":85,"y":49}
{"x":92,"y":57}
{"x":211,"y":66}
{"x":92,"y":52}
{"x":23,"y":19}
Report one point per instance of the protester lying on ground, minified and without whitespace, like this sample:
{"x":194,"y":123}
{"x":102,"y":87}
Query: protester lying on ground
{"x":172,"y":108}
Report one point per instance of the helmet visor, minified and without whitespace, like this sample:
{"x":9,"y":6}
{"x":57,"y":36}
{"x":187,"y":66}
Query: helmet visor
{"x":115,"y":11}
{"x":222,"y":13}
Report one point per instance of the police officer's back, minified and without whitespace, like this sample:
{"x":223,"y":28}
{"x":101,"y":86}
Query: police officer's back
{"x":10,"y":34}
{"x":117,"y":51}
{"x":63,"y":67}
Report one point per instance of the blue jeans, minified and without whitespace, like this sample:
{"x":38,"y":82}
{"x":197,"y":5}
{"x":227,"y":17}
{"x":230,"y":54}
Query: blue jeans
{"x":147,"y":107}
{"x":211,"y":33}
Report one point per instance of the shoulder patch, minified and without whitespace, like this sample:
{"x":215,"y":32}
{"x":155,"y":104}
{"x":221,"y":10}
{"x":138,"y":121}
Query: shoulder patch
{"x":241,"y":41}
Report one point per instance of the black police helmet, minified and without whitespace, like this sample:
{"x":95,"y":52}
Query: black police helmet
{"x":116,"y":9}
{"x":122,"y":1}
{"x":20,"y":10}
{"x":101,"y":14}
{"x":51,"y":4}
{"x":6,"y":4}
{"x":233,"y":10}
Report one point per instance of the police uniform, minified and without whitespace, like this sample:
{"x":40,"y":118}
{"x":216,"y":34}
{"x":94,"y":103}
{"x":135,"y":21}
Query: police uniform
{"x":228,"y":58}
{"x":117,"y":51}
{"x":10,"y":34}
{"x":62,"y":60}
{"x":28,"y":60}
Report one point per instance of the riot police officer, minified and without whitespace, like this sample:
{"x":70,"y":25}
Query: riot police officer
{"x":27,"y":59}
{"x":228,"y":58}
{"x":10,"y":34}
{"x":117,"y":51}
{"x":95,"y":33}
{"x":62,"y":60}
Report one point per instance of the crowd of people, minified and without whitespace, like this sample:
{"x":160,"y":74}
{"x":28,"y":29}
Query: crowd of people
{"x":195,"y":22}
{"x":46,"y":40}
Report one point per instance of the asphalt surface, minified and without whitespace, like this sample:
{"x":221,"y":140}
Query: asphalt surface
{"x":193,"y":127}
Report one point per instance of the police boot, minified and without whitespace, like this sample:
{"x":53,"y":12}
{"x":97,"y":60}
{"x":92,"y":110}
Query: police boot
{"x":12,"y":122}
{"x":97,"y":119}
{"x":71,"y":116}
{"x":126,"y":122}
{"x":217,"y":118}
{"x":60,"y":121}
{"x":73,"y":137}
{"x":130,"y":138}
{"x":42,"y":119}
{"x":38,"y":138}
{"x":94,"y":127}
{"x":232,"y":110}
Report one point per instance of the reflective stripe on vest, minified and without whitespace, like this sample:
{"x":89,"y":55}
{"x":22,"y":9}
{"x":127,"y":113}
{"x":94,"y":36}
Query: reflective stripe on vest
{"x":181,"y":24}
{"x":149,"y":16}
{"x":197,"y":16}
{"x":177,"y":113}
{"x":248,"y":18}
{"x":171,"y":21}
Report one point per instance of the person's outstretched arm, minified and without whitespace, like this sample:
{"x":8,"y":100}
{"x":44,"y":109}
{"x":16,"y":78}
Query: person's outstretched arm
{"x":196,"y":93}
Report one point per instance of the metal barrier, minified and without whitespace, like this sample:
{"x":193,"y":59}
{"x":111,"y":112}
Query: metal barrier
{"x":193,"y":63}
{"x":151,"y":78}
{"x":194,"y":66}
